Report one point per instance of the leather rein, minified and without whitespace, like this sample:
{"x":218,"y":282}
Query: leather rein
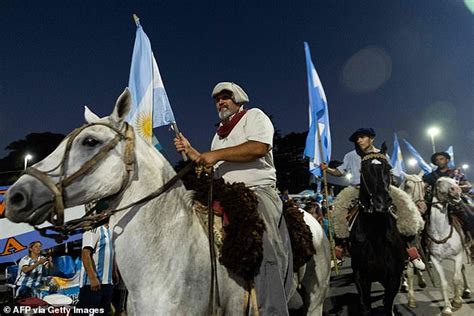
{"x":61,"y":230}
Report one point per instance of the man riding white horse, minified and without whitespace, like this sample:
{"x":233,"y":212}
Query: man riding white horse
{"x":363,"y":139}
{"x":461,"y":209}
{"x":241,"y":151}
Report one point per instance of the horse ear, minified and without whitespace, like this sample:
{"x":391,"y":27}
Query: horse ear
{"x":90,"y":116}
{"x":122,"y":107}
{"x":384,"y":148}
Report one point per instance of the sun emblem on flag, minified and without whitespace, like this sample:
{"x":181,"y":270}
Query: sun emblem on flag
{"x":143,"y":124}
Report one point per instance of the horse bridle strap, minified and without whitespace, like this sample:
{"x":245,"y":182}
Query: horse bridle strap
{"x":90,"y":220}
{"x":57,"y":216}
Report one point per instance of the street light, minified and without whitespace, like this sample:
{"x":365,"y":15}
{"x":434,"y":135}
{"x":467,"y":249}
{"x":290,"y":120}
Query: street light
{"x":27,"y":157}
{"x":412,"y":162}
{"x":433,"y":131}
{"x":465,"y":166}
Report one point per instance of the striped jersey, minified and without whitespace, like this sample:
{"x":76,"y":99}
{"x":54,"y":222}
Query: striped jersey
{"x":99,"y":240}
{"x":33,"y":278}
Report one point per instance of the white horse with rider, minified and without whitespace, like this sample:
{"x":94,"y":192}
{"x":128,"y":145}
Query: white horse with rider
{"x":162,"y":249}
{"x":444,"y":240}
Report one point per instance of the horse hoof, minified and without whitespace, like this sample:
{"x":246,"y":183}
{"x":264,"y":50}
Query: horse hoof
{"x":447,"y":312}
{"x":456,"y":304}
{"x":412,"y":303}
{"x":422,"y":283}
{"x":466,"y":294}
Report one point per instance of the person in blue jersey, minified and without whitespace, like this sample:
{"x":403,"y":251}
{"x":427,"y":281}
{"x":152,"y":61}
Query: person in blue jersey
{"x":33,"y":269}
{"x":98,"y":269}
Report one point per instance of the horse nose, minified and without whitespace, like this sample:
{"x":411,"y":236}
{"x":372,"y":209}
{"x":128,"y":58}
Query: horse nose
{"x":455,"y":189}
{"x":17,"y":199}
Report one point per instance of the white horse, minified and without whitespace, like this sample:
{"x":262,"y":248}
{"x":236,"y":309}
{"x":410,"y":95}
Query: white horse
{"x":444,"y":242}
{"x":415,"y":187}
{"x":161,"y":248}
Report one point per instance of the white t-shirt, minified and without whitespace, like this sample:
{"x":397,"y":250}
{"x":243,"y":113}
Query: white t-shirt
{"x":256,"y":126}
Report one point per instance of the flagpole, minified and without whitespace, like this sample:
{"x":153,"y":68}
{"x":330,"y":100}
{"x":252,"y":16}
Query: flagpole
{"x":326,"y":202}
{"x":174,"y":126}
{"x":136,"y":19}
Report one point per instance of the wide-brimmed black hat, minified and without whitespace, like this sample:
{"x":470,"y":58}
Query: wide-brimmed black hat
{"x":441,"y":153}
{"x":365,"y":131}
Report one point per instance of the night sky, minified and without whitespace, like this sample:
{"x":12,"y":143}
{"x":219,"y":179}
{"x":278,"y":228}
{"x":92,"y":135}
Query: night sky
{"x":396,"y":66}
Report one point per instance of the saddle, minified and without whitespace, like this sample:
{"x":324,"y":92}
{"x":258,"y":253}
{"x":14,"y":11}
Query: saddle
{"x":409,"y":220}
{"x":238,"y":228}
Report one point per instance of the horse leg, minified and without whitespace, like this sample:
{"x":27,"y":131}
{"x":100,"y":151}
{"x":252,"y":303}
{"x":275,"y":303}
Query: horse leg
{"x":447,"y":310}
{"x":467,"y":290}
{"x":457,"y":281}
{"x":411,"y":293}
{"x":421,"y":279}
{"x":391,"y":286}
{"x":363,"y":285}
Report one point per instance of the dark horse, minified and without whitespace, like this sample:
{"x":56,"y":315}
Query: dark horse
{"x":377,"y":248}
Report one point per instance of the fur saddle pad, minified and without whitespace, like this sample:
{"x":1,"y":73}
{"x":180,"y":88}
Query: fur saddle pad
{"x":409,"y":220}
{"x":300,"y":235}
{"x":238,"y":226}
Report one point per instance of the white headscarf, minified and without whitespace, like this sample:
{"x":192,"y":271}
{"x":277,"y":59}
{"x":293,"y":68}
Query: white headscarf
{"x":238,"y":94}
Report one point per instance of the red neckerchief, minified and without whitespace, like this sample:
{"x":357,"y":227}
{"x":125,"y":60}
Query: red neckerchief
{"x":226,"y":127}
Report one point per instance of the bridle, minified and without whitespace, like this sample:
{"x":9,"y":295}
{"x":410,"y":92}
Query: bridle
{"x":57,"y":213}
{"x":61,"y":230}
{"x":418,"y":190}
{"x":371,"y":208}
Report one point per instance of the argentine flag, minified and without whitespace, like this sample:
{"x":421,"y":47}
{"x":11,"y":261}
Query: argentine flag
{"x":421,"y":162}
{"x":150,"y":105}
{"x":398,"y":167}
{"x":318,"y":114}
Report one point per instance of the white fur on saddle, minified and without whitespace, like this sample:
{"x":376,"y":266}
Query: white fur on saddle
{"x":409,"y":221}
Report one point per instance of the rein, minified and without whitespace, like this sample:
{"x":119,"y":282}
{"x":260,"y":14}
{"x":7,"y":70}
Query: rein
{"x":61,"y":231}
{"x":90,"y":221}
{"x":57,"y":213}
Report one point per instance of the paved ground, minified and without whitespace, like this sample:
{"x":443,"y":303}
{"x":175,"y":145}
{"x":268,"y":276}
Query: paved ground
{"x":343,"y":298}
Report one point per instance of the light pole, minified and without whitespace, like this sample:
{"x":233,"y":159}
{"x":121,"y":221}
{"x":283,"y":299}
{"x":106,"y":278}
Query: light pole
{"x":433,"y":131}
{"x":27,"y":157}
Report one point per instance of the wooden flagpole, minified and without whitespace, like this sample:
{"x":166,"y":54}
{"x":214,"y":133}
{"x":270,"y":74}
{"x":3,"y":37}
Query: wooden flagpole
{"x":326,"y":202}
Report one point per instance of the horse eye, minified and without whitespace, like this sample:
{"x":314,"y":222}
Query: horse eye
{"x":90,"y":142}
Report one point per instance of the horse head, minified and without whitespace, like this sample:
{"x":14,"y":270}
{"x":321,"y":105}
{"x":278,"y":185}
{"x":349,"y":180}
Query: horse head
{"x":446,"y":190}
{"x":414,"y":186}
{"x":375,"y":182}
{"x":92,"y":162}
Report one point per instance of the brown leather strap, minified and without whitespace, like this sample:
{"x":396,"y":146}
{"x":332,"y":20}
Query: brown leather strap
{"x":57,"y":217}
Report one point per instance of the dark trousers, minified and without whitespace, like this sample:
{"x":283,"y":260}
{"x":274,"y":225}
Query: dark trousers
{"x":96,"y":299}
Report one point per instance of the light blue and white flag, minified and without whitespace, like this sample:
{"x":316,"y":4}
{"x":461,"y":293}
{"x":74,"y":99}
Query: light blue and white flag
{"x":150,"y":105}
{"x":398,"y":167}
{"x":421,"y":162}
{"x":318,"y":116}
{"x":450,"y":151}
